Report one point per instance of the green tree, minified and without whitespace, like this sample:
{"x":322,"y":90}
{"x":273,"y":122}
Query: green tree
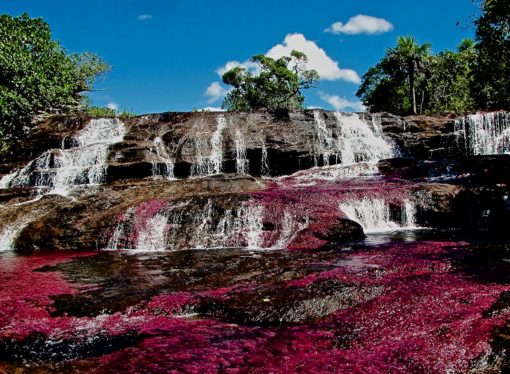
{"x":450,"y":81}
{"x":383,"y":88}
{"x":391,"y":85}
{"x":38,"y":76}
{"x":493,"y":73}
{"x":412,"y":59}
{"x":277,"y":85}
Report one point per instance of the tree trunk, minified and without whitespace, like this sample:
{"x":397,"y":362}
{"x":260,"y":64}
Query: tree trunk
{"x":412,"y":89}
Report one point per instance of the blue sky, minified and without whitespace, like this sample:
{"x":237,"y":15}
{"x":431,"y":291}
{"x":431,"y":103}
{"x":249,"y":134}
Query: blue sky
{"x":165,"y":54}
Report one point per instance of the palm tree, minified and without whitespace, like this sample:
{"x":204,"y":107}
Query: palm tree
{"x":412,"y":58}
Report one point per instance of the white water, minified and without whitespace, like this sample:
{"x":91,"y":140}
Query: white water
{"x":162,"y":156}
{"x":352,"y":141}
{"x":374,"y":214}
{"x":242,"y":163}
{"x":264,"y":166}
{"x":361,"y":141}
{"x":10,"y":233}
{"x":59,"y":171}
{"x":213,"y":162}
{"x":152,"y":238}
{"x":238,"y":227}
{"x":485,"y":133}
{"x":323,"y":145}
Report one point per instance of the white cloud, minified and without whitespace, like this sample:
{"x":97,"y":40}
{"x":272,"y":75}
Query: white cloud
{"x":144,"y":17}
{"x":112,"y":105}
{"x":341,"y":103}
{"x":317,"y":58}
{"x":214,"y":92}
{"x":361,"y":24}
{"x":248,"y":65}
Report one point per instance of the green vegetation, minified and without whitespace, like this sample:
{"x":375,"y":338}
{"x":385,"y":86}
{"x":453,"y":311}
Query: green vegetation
{"x":38,"y":76}
{"x":277,"y":86}
{"x":492,"y":81}
{"x":100,"y":111}
{"x":409,"y":79}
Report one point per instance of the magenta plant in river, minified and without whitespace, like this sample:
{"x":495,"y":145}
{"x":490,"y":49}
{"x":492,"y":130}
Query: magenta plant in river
{"x":412,"y":310}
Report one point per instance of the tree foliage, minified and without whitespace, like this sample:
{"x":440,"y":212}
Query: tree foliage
{"x":449,"y":87}
{"x":409,"y":79}
{"x":411,"y":58}
{"x":37,"y":75}
{"x":276,"y":85}
{"x":393,"y":83}
{"x":493,"y":73}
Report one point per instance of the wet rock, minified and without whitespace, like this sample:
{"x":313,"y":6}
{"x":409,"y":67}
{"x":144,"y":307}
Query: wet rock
{"x":282,"y":304}
{"x":423,"y":137}
{"x":39,"y":348}
{"x":465,"y":170}
{"x":345,"y":230}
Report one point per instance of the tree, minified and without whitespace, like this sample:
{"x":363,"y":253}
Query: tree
{"x":411,"y":58}
{"x":391,"y":85}
{"x":409,"y":79}
{"x":493,"y":73}
{"x":277,"y":84}
{"x":383,"y":88}
{"x":38,"y":76}
{"x":450,"y":82}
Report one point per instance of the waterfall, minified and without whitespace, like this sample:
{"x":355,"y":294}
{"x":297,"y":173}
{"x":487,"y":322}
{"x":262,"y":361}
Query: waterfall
{"x":376,"y":214}
{"x":211,"y":164}
{"x":242,"y":162}
{"x":10,"y":233}
{"x":167,"y":169}
{"x":323,"y":142}
{"x":264,"y":166}
{"x":60,"y":170}
{"x":152,"y":237}
{"x":354,"y":140}
{"x":485,"y":133}
{"x":290,"y":229}
{"x":361,"y":141}
{"x":208,"y":227}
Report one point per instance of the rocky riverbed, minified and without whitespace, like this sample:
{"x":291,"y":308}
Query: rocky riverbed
{"x":255,"y":242}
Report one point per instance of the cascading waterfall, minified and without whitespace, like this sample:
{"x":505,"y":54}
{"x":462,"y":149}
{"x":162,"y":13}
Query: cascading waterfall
{"x":10,"y":233}
{"x":264,"y":166}
{"x":361,"y":141}
{"x":242,"y":162}
{"x":153,"y":236}
{"x":485,"y":133}
{"x":354,"y":140}
{"x":376,"y":215}
{"x":323,"y":142}
{"x":59,"y":171}
{"x":166,"y":170}
{"x":211,"y":164}
{"x":240,"y":227}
